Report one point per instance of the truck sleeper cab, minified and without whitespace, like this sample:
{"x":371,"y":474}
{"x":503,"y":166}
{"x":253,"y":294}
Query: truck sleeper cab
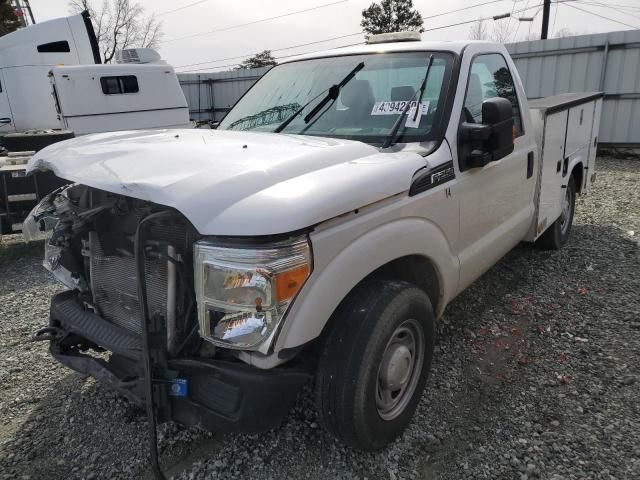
{"x":319,"y":232}
{"x":53,"y":87}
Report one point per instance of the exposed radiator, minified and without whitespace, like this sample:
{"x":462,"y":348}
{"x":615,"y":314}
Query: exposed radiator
{"x":114,"y":284}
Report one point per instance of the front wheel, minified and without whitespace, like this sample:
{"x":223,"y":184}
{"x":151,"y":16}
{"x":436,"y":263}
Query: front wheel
{"x":375,"y":363}
{"x":558,"y":233}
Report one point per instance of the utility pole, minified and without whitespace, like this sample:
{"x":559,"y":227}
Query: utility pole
{"x":20,"y":9}
{"x":28,"y":7}
{"x":546,"y":10}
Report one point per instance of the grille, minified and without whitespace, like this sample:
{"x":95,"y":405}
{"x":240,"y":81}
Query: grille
{"x":114,"y":284}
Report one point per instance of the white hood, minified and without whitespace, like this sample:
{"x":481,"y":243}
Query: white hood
{"x":234,"y":183}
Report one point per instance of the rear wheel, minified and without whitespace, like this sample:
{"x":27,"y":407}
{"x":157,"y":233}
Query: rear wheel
{"x":375,"y":363}
{"x":558,"y":233}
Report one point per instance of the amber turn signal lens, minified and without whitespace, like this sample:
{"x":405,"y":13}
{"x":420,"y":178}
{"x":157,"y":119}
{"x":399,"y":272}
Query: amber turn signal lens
{"x":288,"y":283}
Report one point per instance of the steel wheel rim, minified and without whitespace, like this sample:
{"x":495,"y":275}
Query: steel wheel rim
{"x":399,"y":369}
{"x":565,"y":215}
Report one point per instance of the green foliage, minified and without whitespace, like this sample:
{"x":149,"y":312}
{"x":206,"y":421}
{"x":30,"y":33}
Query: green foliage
{"x":391,"y":16}
{"x":262,"y":59}
{"x":9,"y":21}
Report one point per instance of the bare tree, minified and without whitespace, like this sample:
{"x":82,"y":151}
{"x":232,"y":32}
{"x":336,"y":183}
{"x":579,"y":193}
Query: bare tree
{"x":478,"y":31}
{"x":530,"y":36}
{"x":120,"y":24}
{"x":567,"y":32}
{"x":501,"y":32}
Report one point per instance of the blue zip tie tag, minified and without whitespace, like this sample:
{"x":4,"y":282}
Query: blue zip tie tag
{"x":178,"y":387}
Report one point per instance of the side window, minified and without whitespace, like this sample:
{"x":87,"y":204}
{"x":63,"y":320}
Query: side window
{"x":54,"y":47}
{"x":118,"y":85}
{"x":490,"y":77}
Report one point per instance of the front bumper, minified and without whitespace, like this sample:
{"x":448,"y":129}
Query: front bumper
{"x":221,"y":395}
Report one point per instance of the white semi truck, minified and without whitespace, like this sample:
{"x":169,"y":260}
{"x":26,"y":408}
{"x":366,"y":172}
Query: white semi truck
{"x":320,"y":231}
{"x":53,"y":87}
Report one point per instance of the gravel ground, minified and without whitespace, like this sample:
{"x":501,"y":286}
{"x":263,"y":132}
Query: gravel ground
{"x":535,"y":376}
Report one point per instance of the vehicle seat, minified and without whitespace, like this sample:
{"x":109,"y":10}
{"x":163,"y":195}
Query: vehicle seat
{"x":358,"y":97}
{"x":404,"y":92}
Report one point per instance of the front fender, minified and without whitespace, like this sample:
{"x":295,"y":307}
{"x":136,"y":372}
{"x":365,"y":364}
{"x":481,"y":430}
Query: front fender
{"x":340,"y":263}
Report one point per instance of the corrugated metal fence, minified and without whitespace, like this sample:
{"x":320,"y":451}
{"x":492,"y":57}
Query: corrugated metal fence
{"x":608,"y":62}
{"x":211,"y":95}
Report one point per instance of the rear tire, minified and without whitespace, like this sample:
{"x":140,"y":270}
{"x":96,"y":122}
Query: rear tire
{"x":558,"y":233}
{"x":34,"y":140}
{"x":375,"y":363}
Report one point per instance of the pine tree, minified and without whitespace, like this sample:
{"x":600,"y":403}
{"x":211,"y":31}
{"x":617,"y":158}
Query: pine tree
{"x":391,"y":16}
{"x":9,"y":21}
{"x":262,"y":59}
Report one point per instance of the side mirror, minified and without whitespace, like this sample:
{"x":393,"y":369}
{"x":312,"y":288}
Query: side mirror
{"x":490,"y":140}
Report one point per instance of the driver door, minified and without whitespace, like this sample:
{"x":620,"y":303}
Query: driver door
{"x":495,"y":202}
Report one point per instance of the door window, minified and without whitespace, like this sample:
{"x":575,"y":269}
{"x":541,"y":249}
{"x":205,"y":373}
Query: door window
{"x":490,"y":77}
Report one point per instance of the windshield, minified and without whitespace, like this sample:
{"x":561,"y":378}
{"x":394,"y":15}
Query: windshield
{"x":366,"y":107}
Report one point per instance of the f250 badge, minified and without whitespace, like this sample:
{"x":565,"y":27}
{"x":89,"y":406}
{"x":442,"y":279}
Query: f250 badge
{"x":442,"y":175}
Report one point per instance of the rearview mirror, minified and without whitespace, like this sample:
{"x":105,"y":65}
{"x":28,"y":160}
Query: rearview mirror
{"x":490,"y":140}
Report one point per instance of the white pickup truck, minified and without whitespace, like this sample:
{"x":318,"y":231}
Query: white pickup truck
{"x":319,"y":232}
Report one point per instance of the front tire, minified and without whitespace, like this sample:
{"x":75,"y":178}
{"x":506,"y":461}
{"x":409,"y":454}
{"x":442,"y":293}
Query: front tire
{"x":375,"y":363}
{"x":558,"y":233}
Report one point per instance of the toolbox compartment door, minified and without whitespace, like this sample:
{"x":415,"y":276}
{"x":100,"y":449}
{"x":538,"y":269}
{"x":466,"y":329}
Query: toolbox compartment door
{"x":567,"y":127}
{"x":553,"y":153}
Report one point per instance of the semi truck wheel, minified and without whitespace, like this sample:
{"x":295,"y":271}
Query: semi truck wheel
{"x":558,"y":234}
{"x":33,"y":139}
{"x":375,"y":363}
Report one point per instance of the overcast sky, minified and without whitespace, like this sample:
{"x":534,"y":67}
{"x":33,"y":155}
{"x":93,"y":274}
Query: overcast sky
{"x":341,"y":18}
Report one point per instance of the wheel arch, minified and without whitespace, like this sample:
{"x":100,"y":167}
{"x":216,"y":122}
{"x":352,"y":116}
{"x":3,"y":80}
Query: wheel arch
{"x":577,"y":170}
{"x":414,"y":250}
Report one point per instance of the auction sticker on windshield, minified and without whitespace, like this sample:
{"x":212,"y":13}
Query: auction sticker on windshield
{"x":394,"y":108}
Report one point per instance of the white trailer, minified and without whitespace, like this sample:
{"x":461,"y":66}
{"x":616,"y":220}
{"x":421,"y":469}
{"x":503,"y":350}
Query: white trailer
{"x":53,"y":87}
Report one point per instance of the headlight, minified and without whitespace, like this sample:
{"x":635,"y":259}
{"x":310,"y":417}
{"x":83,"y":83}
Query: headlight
{"x":243,"y":293}
{"x":41,"y":220}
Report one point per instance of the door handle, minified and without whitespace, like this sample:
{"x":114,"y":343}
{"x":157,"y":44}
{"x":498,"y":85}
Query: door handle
{"x":529,"y":164}
{"x":5,"y":120}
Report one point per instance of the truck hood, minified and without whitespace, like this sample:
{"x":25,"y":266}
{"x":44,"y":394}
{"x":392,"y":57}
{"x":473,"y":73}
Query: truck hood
{"x":234,"y":183}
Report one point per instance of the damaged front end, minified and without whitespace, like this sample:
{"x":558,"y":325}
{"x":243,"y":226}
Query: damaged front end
{"x":130,"y":317}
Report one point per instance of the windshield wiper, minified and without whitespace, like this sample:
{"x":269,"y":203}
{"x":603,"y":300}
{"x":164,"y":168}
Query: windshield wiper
{"x":332,"y":94}
{"x":396,"y":126}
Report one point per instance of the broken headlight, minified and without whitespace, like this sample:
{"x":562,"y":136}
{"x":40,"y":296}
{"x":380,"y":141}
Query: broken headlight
{"x":41,"y":220}
{"x":243,"y":293}
{"x":41,"y":223}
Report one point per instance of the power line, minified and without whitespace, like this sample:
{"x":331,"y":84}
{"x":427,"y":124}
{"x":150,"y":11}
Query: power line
{"x":336,"y":38}
{"x":181,"y":8}
{"x":629,"y":7}
{"x":255,"y":21}
{"x":511,"y":14}
{"x":273,"y":50}
{"x":342,"y":36}
{"x":463,"y":9}
{"x":515,"y":36}
{"x":603,"y":5}
{"x":555,"y":18}
{"x":275,"y":58}
{"x":602,"y":16}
